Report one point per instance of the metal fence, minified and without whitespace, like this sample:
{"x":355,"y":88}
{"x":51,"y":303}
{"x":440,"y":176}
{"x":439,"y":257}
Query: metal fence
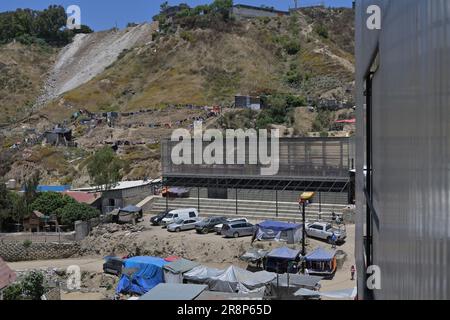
{"x":298,"y":158}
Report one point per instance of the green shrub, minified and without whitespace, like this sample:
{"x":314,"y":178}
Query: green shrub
{"x":322,"y":31}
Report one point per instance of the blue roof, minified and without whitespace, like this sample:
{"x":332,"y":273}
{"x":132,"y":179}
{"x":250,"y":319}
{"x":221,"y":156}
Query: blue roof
{"x":279,"y":226}
{"x":284,"y":253}
{"x":320,"y":254}
{"x":52,"y":188}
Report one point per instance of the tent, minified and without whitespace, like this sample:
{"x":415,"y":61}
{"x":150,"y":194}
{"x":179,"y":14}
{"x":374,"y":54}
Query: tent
{"x":173,"y":272}
{"x":344,"y":294}
{"x":174,"y":292}
{"x":279,"y":231}
{"x":140,"y":274}
{"x":321,"y":262}
{"x":283,"y":260}
{"x":232,"y":279}
{"x":286,"y":285}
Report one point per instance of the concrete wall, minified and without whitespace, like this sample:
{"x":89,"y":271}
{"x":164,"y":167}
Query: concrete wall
{"x":16,"y":251}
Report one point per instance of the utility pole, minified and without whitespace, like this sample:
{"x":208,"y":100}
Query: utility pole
{"x":296,"y":4}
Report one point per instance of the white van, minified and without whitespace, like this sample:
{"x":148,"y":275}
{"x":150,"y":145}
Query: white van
{"x":174,"y":215}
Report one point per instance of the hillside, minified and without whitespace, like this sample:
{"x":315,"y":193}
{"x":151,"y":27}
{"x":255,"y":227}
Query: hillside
{"x":306,"y":56}
{"x":23,"y":71}
{"x":203,"y":66}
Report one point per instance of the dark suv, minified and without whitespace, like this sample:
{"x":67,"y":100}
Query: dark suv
{"x":156,"y":220}
{"x":207,"y":225}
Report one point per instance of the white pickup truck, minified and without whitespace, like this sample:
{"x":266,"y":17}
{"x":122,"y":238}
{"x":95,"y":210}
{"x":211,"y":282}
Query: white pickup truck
{"x":324,"y":231}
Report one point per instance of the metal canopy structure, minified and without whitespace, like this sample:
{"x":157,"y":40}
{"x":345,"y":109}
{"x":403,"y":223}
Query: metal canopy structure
{"x":259,"y":183}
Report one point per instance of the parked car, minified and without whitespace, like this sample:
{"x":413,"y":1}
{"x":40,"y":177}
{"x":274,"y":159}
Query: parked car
{"x":113,"y":265}
{"x":218,"y":228}
{"x":238,"y":229}
{"x":156,"y":220}
{"x":207,"y":225}
{"x":174,"y":215}
{"x":325,"y":231}
{"x":182,"y":225}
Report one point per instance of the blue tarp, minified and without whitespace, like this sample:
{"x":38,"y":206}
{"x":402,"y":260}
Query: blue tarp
{"x":148,"y":274}
{"x":279,"y":226}
{"x":320,"y":254}
{"x":284,"y":253}
{"x":131,"y":209}
{"x":52,"y":188}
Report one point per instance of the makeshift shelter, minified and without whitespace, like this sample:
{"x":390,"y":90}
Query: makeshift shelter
{"x":279,"y":231}
{"x":286,"y":285}
{"x":321,"y":262}
{"x":232,"y":279}
{"x":283,"y":260}
{"x":345,"y":294}
{"x":254,"y":255}
{"x":140,"y":274}
{"x":174,"y":291}
{"x":174,"y":271}
{"x":129,"y":214}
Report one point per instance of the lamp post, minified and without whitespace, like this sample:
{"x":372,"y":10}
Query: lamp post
{"x":306,"y":196}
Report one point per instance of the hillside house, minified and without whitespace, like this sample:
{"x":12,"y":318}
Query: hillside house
{"x":243,"y":11}
{"x":59,"y":137}
{"x":125,"y":193}
{"x":36,"y":222}
{"x":247,"y":102}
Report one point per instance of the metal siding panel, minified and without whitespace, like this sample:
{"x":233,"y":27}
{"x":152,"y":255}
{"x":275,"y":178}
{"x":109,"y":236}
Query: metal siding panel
{"x":410,"y":146}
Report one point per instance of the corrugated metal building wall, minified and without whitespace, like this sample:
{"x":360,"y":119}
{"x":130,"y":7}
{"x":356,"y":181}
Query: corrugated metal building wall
{"x":410,"y":119}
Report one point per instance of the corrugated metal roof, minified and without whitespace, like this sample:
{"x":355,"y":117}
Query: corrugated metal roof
{"x":120,"y":186}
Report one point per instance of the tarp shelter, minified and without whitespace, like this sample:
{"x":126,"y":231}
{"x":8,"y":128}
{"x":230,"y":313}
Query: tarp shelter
{"x":344,"y":294}
{"x":254,"y":255}
{"x":279,"y":231}
{"x":174,"y":291}
{"x":147,"y":272}
{"x":285,"y":286}
{"x":232,"y":279}
{"x":129,"y":214}
{"x":174,"y":271}
{"x":283,"y":260}
{"x":321,"y":262}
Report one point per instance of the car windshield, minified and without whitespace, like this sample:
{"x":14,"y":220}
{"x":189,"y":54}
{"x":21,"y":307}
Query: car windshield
{"x":179,"y":221}
{"x":170,"y":215}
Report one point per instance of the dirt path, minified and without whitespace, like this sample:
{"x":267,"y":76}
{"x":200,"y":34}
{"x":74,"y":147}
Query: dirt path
{"x":85,"y":264}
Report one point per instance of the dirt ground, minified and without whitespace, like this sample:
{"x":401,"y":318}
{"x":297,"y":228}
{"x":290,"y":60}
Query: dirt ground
{"x":211,"y":250}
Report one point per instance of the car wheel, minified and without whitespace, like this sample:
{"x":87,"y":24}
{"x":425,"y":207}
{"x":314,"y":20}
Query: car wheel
{"x":236,"y":235}
{"x":177,"y":230}
{"x":205,"y":231}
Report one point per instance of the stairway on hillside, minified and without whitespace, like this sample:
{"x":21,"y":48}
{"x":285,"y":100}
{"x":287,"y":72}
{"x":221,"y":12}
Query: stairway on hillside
{"x":255,"y":210}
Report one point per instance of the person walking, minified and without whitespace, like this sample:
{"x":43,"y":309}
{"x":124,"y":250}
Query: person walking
{"x":333,"y":241}
{"x":352,"y":271}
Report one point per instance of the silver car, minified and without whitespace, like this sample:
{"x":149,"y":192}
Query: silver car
{"x":238,"y":229}
{"x":218,"y":228}
{"x":182,"y":225}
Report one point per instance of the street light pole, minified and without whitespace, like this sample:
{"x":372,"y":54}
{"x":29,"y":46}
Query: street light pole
{"x":303,"y":235}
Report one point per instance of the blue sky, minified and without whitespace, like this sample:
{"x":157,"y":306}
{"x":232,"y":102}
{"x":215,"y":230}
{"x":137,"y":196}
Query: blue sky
{"x":105,"y":14}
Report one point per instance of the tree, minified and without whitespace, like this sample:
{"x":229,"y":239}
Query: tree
{"x":104,"y":168}
{"x":49,"y":202}
{"x":76,"y":211}
{"x":6,"y":205}
{"x":164,"y":6}
{"x":13,"y":292}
